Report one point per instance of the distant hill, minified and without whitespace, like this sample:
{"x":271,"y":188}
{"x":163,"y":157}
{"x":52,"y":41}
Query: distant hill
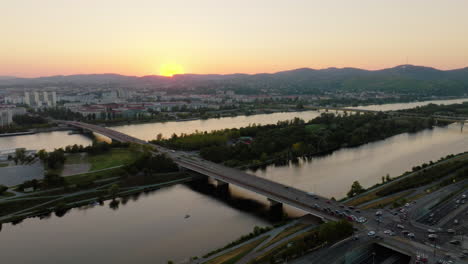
{"x":7,"y":77}
{"x":402,"y":79}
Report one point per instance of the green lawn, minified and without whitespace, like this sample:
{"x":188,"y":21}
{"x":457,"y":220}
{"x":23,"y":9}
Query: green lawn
{"x":3,"y":165}
{"x":114,"y":157}
{"x":314,"y":127}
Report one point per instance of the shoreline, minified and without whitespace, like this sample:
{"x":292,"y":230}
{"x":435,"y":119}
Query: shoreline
{"x":138,"y":122}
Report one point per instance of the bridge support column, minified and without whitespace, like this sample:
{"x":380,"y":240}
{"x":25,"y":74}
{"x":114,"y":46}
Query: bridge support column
{"x":275,"y":204}
{"x":276,"y":209}
{"x":222,"y":187}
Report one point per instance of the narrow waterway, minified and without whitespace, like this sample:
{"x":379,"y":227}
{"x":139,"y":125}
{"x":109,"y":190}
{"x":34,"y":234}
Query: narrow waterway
{"x":153,"y":228}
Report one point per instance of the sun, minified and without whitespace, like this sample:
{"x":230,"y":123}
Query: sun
{"x":169,"y":69}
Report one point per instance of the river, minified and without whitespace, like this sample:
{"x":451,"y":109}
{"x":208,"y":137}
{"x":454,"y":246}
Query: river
{"x":154,"y":229}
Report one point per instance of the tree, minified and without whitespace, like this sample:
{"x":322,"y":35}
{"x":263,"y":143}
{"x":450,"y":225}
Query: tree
{"x":113,"y":190}
{"x":387,"y":178}
{"x":42,"y":154}
{"x":3,"y":189}
{"x":356,"y":189}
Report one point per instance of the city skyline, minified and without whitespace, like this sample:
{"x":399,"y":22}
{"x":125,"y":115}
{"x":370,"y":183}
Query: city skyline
{"x":205,"y":37}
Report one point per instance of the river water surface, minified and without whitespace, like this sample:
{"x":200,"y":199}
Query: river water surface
{"x":153,"y":228}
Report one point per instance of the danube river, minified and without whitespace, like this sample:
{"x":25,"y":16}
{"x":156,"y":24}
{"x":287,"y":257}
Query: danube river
{"x":152,"y":228}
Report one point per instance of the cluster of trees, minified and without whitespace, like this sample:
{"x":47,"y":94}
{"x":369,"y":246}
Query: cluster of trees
{"x":96,"y":147}
{"x":54,"y":159}
{"x":24,"y":123}
{"x":148,"y":164}
{"x":51,"y":180}
{"x":60,"y":113}
{"x":294,"y":138}
{"x":434,"y":109}
{"x":356,"y":189}
{"x":27,"y":120}
{"x":426,"y":176}
{"x":21,"y":157}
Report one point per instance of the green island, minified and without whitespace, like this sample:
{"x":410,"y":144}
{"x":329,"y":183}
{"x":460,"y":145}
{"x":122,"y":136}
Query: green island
{"x":257,"y":145}
{"x":78,"y":175}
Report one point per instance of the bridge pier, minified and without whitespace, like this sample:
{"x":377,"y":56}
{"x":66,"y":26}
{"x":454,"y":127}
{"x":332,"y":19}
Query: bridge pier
{"x":222,"y":187}
{"x":276,"y":209}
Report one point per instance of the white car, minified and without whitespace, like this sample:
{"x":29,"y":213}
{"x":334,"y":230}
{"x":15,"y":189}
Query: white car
{"x":411,"y":235}
{"x":387,"y":232}
{"x":401,"y":226}
{"x":431,"y":231}
{"x":378,"y":213}
{"x":371,"y":233}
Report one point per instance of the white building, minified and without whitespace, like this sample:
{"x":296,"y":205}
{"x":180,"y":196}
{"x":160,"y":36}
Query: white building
{"x":38,"y":99}
{"x":6,"y":117}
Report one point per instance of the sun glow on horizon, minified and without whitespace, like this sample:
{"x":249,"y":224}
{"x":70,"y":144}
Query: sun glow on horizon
{"x":170,"y":69}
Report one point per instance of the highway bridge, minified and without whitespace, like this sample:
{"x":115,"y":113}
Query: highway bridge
{"x":276,"y":193}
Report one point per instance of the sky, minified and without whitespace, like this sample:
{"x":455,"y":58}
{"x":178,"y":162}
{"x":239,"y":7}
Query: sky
{"x":138,"y":37}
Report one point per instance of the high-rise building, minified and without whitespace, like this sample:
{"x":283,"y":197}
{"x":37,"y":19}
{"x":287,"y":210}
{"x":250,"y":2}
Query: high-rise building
{"x":41,"y":99}
{"x":6,"y":117}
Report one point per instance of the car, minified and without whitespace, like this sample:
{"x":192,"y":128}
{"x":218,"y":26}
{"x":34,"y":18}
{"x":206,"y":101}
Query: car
{"x":455,"y":222}
{"x":432,"y":236}
{"x":316,"y":206}
{"x":371,"y":233}
{"x":355,"y":237}
{"x":450,"y":231}
{"x":410,"y":235}
{"x":357,"y":211}
{"x":311,"y":194}
{"x":400,"y":226}
{"x":387,"y":232}
{"x":328,"y":201}
{"x":431,"y":231}
{"x":455,"y":242}
{"x":378,"y":213}
{"x":463,"y":196}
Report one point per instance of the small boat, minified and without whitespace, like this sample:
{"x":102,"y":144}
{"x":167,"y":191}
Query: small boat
{"x":187,"y":216}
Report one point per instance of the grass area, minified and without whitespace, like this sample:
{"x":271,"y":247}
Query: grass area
{"x":89,"y":177}
{"x":363,"y":199}
{"x":114,"y":157}
{"x":386,"y":201}
{"x":2,"y":165}
{"x":285,"y":233}
{"x":17,"y":205}
{"x":314,"y":127}
{"x":7,"y":194}
{"x":264,"y":257}
{"x":235,"y":255}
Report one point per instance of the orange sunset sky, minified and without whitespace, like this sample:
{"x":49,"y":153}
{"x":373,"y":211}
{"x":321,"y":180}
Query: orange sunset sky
{"x":139,"y":37}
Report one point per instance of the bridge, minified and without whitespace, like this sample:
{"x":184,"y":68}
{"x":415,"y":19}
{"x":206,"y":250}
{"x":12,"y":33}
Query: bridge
{"x":276,"y":193}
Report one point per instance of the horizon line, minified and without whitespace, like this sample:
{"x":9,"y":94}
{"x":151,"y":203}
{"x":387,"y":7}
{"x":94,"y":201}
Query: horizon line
{"x":226,"y":74}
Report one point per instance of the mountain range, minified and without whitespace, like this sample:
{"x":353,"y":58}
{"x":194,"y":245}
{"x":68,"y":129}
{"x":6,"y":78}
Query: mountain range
{"x":399,"y":79}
